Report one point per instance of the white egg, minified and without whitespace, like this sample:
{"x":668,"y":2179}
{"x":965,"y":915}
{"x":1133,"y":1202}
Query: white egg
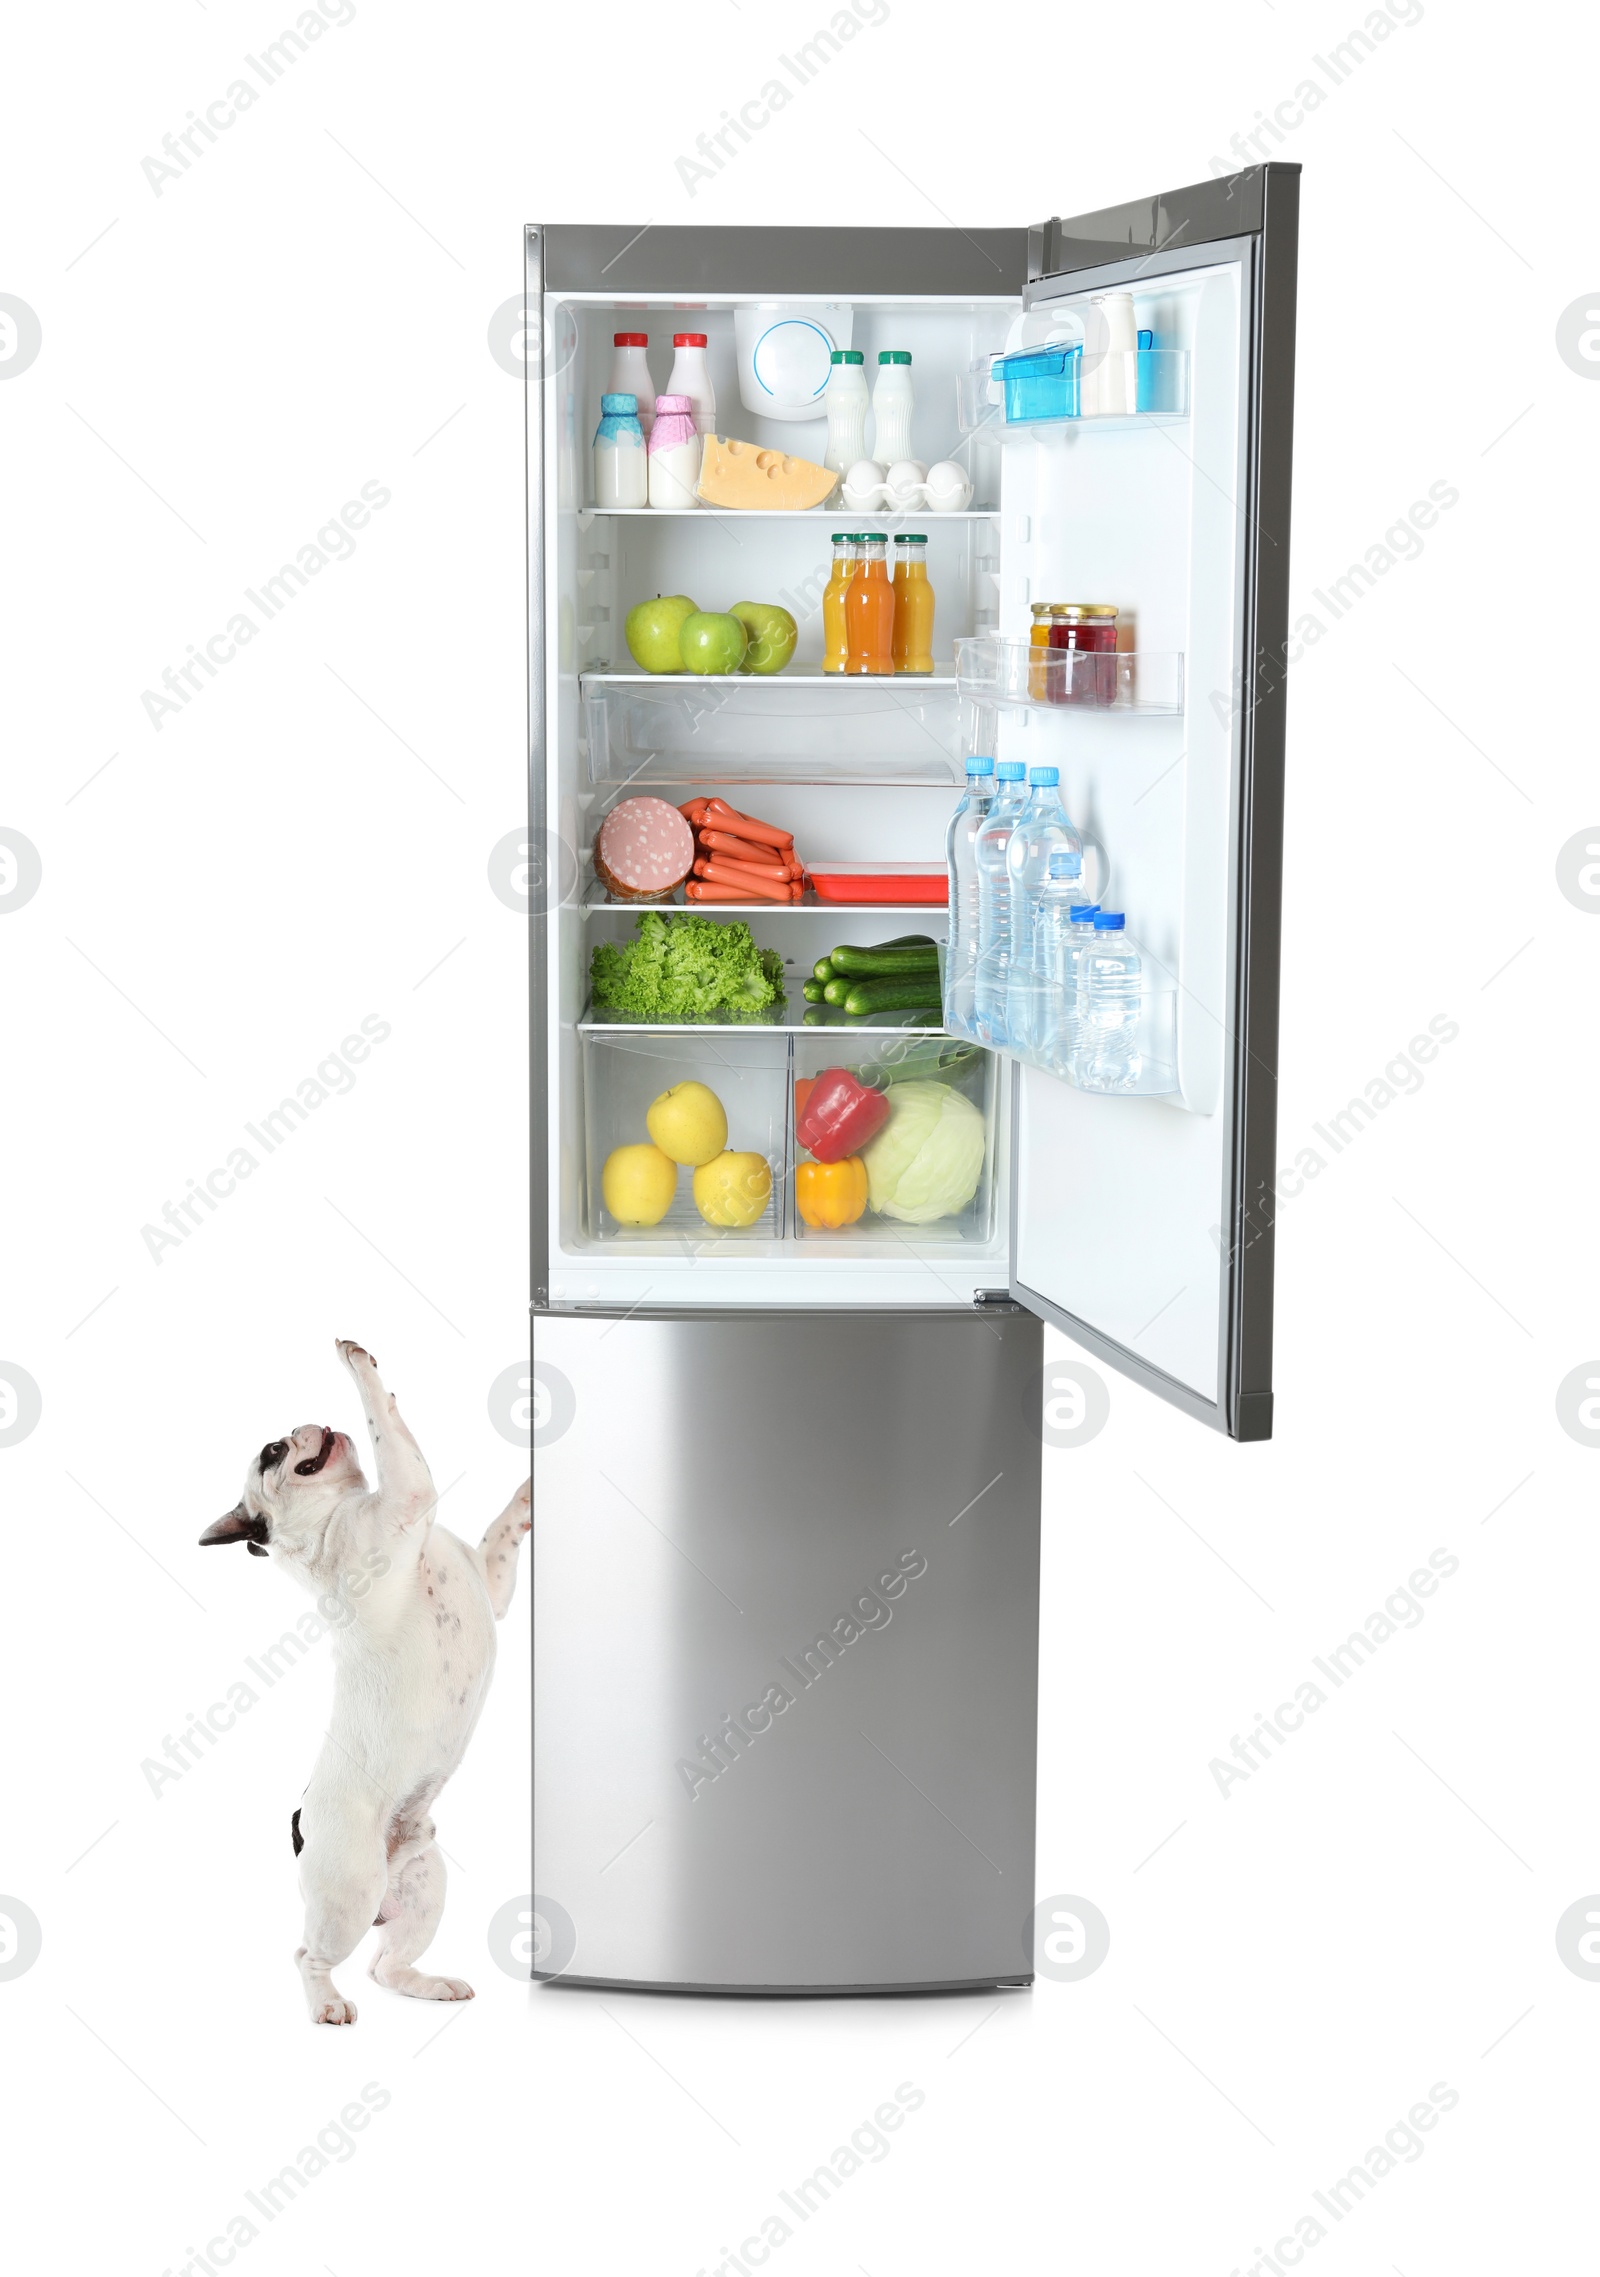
{"x":948,"y":487}
{"x":905,"y":474}
{"x":864,"y":486}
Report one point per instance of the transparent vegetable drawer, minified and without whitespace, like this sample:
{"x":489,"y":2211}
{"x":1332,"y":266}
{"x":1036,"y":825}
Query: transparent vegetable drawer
{"x":748,"y":1071}
{"x":927,"y":1179}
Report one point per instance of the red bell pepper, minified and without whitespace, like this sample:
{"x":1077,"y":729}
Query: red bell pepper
{"x":839,"y":1116}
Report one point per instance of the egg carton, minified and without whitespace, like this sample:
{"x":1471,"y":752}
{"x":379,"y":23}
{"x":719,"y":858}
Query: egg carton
{"x":907,"y":487}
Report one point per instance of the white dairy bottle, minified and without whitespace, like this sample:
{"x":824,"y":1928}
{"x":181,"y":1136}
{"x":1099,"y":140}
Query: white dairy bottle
{"x":891,"y":407}
{"x":630,"y":375}
{"x":674,"y":455}
{"x":845,"y":401}
{"x":691,"y":378}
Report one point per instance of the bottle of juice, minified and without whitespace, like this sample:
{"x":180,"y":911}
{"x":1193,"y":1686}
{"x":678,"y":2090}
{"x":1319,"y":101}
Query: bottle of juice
{"x":913,"y":606}
{"x":835,"y":645}
{"x":869,"y":609}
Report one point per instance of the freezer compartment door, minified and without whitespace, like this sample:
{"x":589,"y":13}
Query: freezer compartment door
{"x":786,"y":1599}
{"x":1142,"y":1225}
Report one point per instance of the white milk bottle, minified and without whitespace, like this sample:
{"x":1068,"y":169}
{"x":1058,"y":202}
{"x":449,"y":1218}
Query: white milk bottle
{"x":630,"y":374}
{"x":620,"y":474}
{"x":674,"y":454}
{"x":845,"y":401}
{"x":691,"y":378}
{"x":891,"y":408}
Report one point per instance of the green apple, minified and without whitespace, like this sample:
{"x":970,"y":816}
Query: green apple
{"x":712,"y":641}
{"x":773,"y":634}
{"x":652,"y":631}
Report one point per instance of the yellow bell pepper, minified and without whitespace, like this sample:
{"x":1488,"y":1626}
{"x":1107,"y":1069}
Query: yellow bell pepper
{"x":831,"y":1194}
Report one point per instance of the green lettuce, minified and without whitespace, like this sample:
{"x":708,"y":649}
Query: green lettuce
{"x":686,"y":967}
{"x":926,"y":1161}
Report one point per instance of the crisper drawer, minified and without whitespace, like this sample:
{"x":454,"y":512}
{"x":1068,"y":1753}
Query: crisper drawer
{"x":718,"y":1099}
{"x":925,"y":1177}
{"x":908,"y":1151}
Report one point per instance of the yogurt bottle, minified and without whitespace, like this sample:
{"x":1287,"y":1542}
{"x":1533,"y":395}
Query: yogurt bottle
{"x":691,"y":378}
{"x":891,"y":407}
{"x":845,"y":401}
{"x":630,"y":374}
{"x":674,"y":453}
{"x":620,"y":475}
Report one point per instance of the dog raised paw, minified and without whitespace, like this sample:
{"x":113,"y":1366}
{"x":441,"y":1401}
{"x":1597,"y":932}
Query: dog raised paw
{"x":352,"y":1354}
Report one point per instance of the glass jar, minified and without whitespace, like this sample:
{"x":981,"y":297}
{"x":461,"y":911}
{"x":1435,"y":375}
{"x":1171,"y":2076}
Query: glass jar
{"x":1038,"y":647}
{"x":1089,"y":630}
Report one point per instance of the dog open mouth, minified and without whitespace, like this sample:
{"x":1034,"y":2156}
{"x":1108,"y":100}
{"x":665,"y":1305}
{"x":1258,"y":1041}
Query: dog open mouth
{"x":314,"y":1463}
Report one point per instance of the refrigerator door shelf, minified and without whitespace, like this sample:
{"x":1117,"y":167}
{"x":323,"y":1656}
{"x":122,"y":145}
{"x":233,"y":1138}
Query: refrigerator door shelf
{"x":990,"y":670}
{"x":1151,"y":1059}
{"x":1037,"y":392}
{"x":786,"y":1597}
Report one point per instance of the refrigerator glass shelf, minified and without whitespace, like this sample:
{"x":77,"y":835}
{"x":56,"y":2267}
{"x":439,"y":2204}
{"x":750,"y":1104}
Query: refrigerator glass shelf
{"x":596,"y":899}
{"x":597,"y":1021}
{"x":643,"y":729}
{"x":1072,"y":681}
{"x":772,"y":684}
{"x":810,"y":515}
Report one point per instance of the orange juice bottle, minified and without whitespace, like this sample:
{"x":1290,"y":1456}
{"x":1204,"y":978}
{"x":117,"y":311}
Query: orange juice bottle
{"x":835,"y":648}
{"x":913,"y":606}
{"x":869,"y":609}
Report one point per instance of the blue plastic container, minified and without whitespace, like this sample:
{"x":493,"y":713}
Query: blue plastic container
{"x":1043,"y":383}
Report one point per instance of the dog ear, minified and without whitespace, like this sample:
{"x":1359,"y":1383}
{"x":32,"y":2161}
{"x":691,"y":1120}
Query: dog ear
{"x":237,"y":1526}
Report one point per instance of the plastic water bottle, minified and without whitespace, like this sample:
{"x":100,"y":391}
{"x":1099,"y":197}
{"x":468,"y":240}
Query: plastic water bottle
{"x":1036,"y":1007}
{"x":1062,"y":923}
{"x":993,"y":977}
{"x":1104,"y":1053}
{"x":961,"y":858}
{"x":1042,"y":830}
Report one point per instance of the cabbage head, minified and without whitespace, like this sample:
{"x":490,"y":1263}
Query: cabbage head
{"x":926,"y":1161}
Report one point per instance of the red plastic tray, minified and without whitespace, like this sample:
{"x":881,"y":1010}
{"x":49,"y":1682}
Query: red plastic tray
{"x":910,"y":882}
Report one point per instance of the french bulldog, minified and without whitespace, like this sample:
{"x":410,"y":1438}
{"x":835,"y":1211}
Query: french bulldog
{"x":413,"y":1643}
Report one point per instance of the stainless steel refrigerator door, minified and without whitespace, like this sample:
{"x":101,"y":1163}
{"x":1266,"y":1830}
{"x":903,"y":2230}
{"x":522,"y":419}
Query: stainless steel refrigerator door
{"x":786,"y":1603}
{"x":1181,"y":1239}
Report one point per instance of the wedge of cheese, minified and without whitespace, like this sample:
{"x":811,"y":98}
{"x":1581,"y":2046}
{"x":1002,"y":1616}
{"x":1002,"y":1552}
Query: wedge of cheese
{"x":741,"y":474}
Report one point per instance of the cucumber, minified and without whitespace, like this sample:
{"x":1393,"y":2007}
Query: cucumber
{"x":908,"y":993}
{"x":836,"y":990}
{"x":823,"y":969}
{"x":811,"y":990}
{"x":886,"y":963}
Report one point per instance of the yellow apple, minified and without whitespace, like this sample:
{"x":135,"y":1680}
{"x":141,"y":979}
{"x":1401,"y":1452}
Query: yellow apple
{"x":637,"y":1184}
{"x":688,"y":1123}
{"x":733,"y":1189}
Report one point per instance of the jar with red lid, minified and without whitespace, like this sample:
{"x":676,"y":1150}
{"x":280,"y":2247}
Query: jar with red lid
{"x":1088,"y":629}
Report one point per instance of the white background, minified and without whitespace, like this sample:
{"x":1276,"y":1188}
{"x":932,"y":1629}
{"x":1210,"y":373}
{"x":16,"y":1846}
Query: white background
{"x":223,"y":365}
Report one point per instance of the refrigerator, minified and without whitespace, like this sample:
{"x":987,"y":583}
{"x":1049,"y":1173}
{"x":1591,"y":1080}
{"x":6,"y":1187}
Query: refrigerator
{"x":786,"y":1476}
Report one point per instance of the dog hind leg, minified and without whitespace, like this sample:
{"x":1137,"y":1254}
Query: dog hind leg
{"x":342,"y":1877}
{"x":407,"y":1918}
{"x":497,"y":1552}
